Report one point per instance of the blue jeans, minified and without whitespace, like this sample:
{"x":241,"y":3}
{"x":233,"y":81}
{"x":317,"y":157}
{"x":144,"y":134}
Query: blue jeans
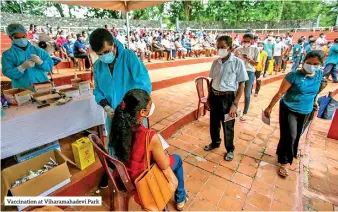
{"x":180,"y":194}
{"x":56,"y":60}
{"x":248,"y":89}
{"x":331,"y":69}
{"x":295,"y":64}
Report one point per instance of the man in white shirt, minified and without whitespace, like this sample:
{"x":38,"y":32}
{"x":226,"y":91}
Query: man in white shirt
{"x":132,"y":45}
{"x":250,"y":55}
{"x":168,"y":47}
{"x":142,"y":48}
{"x":277,"y":53}
{"x":121,"y":38}
{"x":227,"y":75}
{"x":321,"y":42}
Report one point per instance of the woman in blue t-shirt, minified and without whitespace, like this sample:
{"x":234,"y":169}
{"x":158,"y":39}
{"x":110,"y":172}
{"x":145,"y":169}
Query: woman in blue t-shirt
{"x":297,"y":92}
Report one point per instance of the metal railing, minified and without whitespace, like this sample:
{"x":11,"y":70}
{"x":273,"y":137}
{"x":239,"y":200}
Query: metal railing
{"x":327,"y":28}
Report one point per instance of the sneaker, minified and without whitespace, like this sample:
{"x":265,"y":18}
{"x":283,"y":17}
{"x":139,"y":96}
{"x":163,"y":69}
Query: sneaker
{"x":180,"y":206}
{"x":88,"y":69}
{"x":256,"y":94}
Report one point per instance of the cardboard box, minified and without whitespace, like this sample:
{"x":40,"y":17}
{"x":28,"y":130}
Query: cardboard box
{"x":41,"y":185}
{"x":84,"y":87}
{"x":37,"y":151}
{"x":17,"y":96}
{"x":70,"y":92}
{"x":42,"y":87}
{"x":83,"y":152}
{"x":46,"y":98}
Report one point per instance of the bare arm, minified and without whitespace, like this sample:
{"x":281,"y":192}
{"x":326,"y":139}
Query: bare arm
{"x":160,"y":156}
{"x":284,"y":87}
{"x":239,"y":92}
{"x":82,"y":50}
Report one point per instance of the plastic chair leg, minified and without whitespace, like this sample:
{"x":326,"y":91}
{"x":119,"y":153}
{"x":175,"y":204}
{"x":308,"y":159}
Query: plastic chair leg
{"x":198,"y":110}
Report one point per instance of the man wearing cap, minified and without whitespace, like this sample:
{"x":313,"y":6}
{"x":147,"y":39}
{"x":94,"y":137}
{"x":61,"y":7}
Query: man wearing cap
{"x":24,"y":63}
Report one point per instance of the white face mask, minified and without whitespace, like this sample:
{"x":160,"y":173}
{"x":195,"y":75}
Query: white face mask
{"x":246,"y":45}
{"x":152,"y":109}
{"x":309,"y":69}
{"x":223,"y":53}
{"x":260,"y":48}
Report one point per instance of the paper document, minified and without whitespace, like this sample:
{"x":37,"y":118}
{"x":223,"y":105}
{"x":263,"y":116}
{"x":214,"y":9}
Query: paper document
{"x":265,"y":119}
{"x":228,"y":118}
{"x":165,"y":144}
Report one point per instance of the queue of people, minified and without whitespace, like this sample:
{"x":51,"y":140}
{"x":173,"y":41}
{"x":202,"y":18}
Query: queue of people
{"x":123,"y":88}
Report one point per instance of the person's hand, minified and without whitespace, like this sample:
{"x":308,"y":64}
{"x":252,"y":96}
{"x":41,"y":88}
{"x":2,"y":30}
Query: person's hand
{"x":267,"y":112}
{"x":232,"y":112}
{"x":246,"y":57}
{"x":207,"y":105}
{"x":36,"y":59}
{"x":110,"y":112}
{"x":315,"y":106}
{"x":26,"y":64}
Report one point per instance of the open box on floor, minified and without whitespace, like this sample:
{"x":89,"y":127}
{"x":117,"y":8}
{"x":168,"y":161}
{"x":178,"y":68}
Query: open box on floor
{"x":41,"y":185}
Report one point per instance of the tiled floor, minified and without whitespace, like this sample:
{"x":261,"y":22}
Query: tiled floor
{"x":250,"y":182}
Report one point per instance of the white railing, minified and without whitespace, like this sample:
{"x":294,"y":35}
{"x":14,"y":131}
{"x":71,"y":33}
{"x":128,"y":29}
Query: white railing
{"x":330,"y":28}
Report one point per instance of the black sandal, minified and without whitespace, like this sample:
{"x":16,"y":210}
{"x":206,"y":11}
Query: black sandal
{"x":210,"y":147}
{"x":229,"y":156}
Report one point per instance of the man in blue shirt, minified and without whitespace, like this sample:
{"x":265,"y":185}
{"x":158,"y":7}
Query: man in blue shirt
{"x":68,"y":46}
{"x":297,"y":51}
{"x":309,"y":46}
{"x":332,"y":61}
{"x":80,"y":50}
{"x":24,"y":63}
{"x":311,"y":38}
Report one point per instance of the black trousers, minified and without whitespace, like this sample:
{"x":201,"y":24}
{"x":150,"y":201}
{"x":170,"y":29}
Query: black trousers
{"x":292,"y":125}
{"x":266,"y":65}
{"x":85,"y":56}
{"x":219,"y":106}
{"x":258,"y":82}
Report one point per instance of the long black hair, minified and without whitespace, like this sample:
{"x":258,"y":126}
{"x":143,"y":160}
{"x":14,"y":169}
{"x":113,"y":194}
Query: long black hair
{"x":125,"y":122}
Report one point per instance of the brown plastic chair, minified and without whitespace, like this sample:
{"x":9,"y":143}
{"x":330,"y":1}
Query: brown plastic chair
{"x":202,"y":98}
{"x":119,"y":181}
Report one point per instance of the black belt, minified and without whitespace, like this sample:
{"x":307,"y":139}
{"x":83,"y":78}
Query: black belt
{"x":222,"y":93}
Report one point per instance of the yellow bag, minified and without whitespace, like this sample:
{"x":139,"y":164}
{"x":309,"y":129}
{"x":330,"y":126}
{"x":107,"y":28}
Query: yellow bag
{"x":271,"y":65}
{"x":154,"y":186}
{"x":83,"y":153}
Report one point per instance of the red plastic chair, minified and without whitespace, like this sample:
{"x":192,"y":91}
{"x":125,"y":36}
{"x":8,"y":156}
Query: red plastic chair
{"x":202,"y":98}
{"x":119,"y":181}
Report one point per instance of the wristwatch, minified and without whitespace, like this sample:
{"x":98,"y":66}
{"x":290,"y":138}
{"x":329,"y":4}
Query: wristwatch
{"x":235,"y":104}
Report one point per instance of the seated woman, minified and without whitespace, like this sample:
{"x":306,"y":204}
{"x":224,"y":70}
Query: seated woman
{"x":128,"y":137}
{"x":157,"y":47}
{"x":179,"y":47}
{"x":207,"y":47}
{"x":196,"y":46}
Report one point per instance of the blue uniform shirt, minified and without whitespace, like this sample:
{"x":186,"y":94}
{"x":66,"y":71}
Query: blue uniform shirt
{"x":333,"y":55}
{"x":68,"y":47}
{"x":296,"y":47}
{"x":78,"y":45}
{"x":129,"y":73}
{"x":301,"y":95}
{"x":268,"y":47}
{"x":15,"y":56}
{"x":308,"y":49}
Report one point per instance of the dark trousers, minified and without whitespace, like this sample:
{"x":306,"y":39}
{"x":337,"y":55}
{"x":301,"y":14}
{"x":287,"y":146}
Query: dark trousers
{"x":219,"y":106}
{"x":258,"y":82}
{"x":292,"y":125}
{"x":85,"y":56}
{"x":266,"y":65}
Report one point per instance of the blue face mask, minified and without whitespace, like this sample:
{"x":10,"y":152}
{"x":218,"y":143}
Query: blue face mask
{"x":21,"y":42}
{"x":107,"y":58}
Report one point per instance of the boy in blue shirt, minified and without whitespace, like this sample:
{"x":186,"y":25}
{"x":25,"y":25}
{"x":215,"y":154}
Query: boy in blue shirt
{"x":296,"y":54}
